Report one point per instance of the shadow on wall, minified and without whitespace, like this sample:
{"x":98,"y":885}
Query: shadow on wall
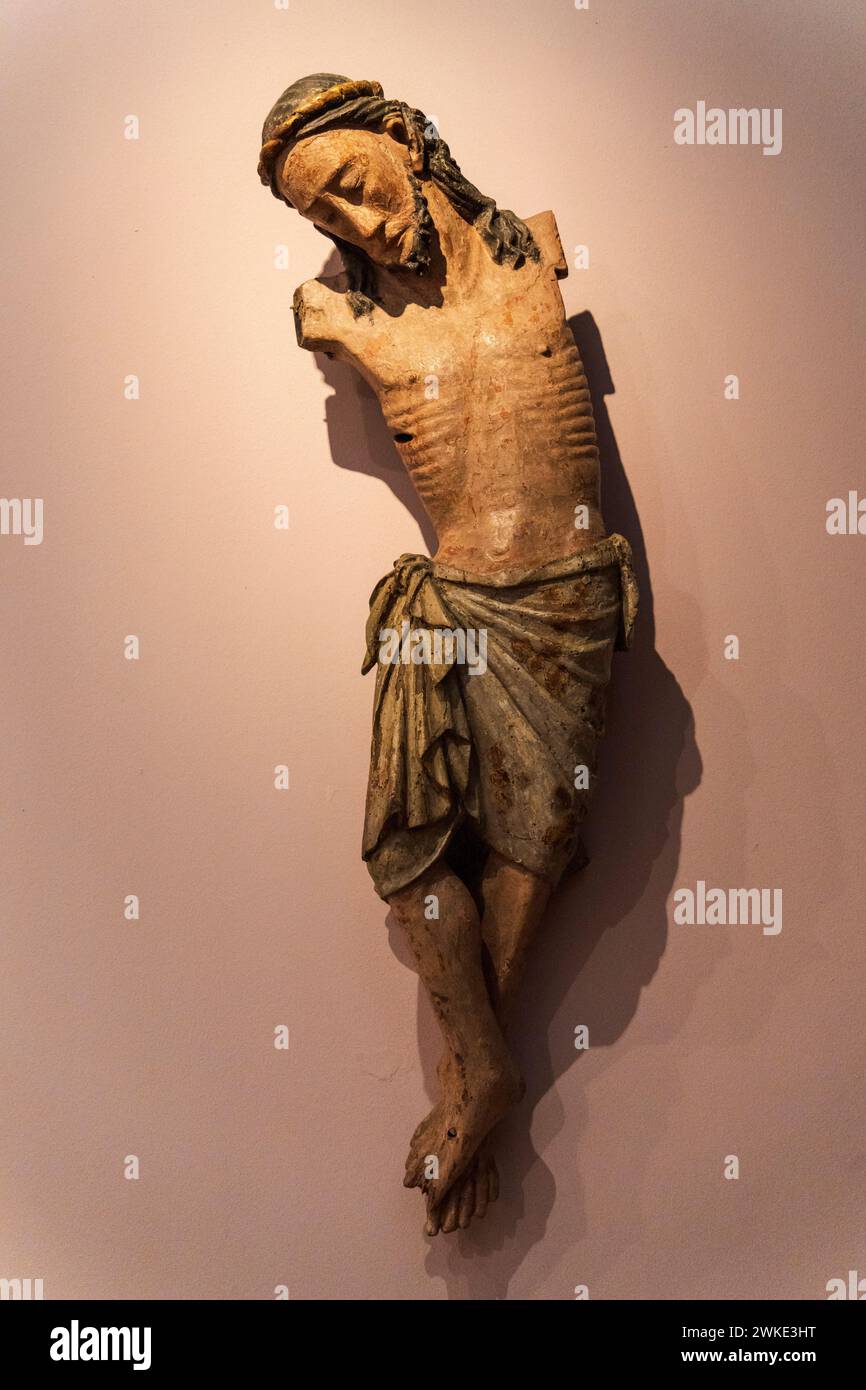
{"x":359,"y":438}
{"x":649,"y":764}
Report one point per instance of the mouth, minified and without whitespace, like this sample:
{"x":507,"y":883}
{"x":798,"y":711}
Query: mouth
{"x":412,"y":251}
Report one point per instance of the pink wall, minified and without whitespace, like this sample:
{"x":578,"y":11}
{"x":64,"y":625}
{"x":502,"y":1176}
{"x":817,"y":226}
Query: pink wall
{"x":155,"y":1038}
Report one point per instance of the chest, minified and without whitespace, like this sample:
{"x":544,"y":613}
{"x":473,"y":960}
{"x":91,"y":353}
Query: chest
{"x":485,"y":342}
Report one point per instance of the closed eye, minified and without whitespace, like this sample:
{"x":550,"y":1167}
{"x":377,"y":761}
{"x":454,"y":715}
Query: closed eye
{"x":347,"y":183}
{"x":352,"y":190}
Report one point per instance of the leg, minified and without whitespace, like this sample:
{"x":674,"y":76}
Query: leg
{"x":514,"y":901}
{"x":482,"y":1080}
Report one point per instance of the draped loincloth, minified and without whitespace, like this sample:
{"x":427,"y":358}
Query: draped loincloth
{"x":512,"y":747}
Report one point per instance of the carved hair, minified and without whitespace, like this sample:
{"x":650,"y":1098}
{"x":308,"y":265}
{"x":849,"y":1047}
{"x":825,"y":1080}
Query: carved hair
{"x":326,"y":101}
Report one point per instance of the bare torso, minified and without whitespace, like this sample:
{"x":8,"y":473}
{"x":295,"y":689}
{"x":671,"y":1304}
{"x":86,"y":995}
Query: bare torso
{"x":485,"y":395}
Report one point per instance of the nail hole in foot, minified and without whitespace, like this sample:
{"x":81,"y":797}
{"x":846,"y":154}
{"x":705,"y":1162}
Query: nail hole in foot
{"x":452,"y":1134}
{"x":404,"y":438}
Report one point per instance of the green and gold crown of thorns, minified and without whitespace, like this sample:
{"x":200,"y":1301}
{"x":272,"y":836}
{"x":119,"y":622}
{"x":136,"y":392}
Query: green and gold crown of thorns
{"x":309,"y":97}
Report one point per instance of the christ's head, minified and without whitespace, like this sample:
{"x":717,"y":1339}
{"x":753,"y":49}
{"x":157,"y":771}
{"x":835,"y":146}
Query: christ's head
{"x":355,"y":165}
{"x":359,"y":186}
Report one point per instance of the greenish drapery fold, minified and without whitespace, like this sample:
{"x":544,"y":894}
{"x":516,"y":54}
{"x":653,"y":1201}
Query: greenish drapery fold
{"x":505,"y":746}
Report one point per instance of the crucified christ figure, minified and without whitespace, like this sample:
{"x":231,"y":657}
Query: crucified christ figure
{"x":481,"y":771}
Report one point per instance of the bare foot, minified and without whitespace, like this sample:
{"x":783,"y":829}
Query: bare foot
{"x":469,"y":1196}
{"x":419,"y":1145}
{"x":465,"y":1116}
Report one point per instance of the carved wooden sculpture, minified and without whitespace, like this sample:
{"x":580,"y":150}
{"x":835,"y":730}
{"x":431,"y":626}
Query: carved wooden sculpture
{"x":481,"y":770}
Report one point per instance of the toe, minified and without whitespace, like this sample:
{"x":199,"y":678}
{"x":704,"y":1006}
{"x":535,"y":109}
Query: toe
{"x":450,"y":1211}
{"x":434,"y":1214}
{"x":492,"y":1181}
{"x":466,"y":1207}
{"x":481,"y":1190}
{"x":414,"y":1172}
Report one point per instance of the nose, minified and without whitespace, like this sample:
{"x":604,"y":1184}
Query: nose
{"x":368,"y":220}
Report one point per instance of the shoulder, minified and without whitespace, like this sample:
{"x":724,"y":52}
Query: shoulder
{"x":324,"y":322}
{"x":546,"y":233}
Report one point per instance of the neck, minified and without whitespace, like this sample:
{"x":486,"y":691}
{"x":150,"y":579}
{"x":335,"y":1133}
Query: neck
{"x":457,"y":258}
{"x":461,"y":253}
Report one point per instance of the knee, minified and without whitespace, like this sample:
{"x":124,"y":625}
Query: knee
{"x":438,"y":903}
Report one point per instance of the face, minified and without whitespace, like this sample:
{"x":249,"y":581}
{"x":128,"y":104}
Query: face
{"x":358,"y":185}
